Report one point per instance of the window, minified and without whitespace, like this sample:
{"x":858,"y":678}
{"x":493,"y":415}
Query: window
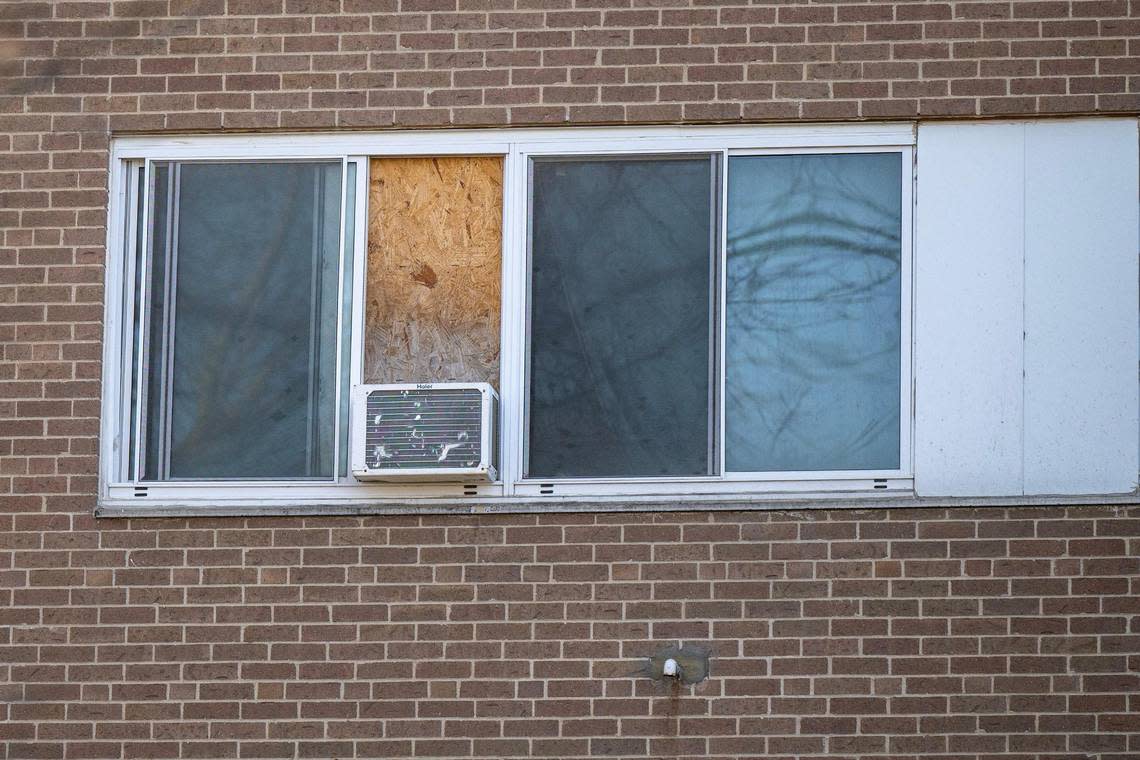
{"x":623,"y":359}
{"x":813,"y":312}
{"x":697,"y":313}
{"x":621,"y":314}
{"x":237,"y":362}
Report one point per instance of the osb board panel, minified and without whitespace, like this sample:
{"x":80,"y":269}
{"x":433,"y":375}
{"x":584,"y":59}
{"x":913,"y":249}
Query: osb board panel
{"x":434,"y":270}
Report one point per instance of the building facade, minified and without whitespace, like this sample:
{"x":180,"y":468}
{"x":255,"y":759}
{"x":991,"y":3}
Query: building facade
{"x":852,"y":405}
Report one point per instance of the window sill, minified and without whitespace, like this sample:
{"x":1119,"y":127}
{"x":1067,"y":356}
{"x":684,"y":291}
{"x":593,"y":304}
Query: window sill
{"x":899,"y":498}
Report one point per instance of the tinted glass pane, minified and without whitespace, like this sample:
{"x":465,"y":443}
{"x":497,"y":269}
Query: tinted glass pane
{"x":621,"y":256}
{"x":813,"y":312}
{"x":242,"y":364}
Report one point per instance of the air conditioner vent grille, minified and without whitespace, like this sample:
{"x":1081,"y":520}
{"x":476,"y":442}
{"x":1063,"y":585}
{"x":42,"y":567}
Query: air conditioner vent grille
{"x":418,"y":429}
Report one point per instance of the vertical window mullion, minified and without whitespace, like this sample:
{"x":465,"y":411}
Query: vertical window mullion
{"x":512,"y":323}
{"x":714,"y":312}
{"x":721,"y":226}
{"x":358,"y":283}
{"x":343,"y":321}
{"x":522,"y":230}
{"x":906,"y":412}
{"x":169,"y":318}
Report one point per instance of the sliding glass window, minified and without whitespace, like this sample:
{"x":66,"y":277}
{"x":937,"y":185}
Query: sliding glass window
{"x":625,"y":361}
{"x":237,"y":308}
{"x":682,"y":313}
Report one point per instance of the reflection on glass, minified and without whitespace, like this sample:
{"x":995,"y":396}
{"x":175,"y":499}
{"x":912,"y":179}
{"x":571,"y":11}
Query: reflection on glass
{"x":813,"y":302}
{"x":241,"y":362}
{"x":136,"y":322}
{"x":620,"y":318}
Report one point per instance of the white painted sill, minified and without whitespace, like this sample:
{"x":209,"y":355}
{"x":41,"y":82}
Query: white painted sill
{"x":858,"y":500}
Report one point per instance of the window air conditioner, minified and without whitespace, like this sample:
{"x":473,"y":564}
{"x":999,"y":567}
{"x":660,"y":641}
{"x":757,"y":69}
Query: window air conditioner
{"x":424,"y":431}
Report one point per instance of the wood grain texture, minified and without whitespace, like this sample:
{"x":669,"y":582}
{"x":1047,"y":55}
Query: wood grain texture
{"x":434,"y":270}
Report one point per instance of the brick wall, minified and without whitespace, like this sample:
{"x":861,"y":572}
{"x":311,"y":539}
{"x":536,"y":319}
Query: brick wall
{"x":964,"y":633}
{"x":957,"y":633}
{"x":186,"y":64}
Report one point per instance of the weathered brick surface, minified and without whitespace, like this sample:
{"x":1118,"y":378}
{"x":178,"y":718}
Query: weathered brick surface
{"x":91,"y":65}
{"x":962,"y":634}
{"x":958,"y":633}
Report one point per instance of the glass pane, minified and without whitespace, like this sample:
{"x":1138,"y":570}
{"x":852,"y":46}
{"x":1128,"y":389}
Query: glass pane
{"x":621,"y":274}
{"x":243,"y":321}
{"x":813,"y":306}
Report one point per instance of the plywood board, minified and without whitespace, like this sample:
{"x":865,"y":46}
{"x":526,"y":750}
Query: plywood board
{"x":434,"y":270}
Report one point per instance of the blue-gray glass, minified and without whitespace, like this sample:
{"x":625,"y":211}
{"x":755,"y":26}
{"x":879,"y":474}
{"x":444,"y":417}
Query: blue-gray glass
{"x":813,"y":301}
{"x":621,"y":276}
{"x":250,"y":387}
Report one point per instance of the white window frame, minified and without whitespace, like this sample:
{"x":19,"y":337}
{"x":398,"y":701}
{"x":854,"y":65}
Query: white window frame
{"x":119,"y":496}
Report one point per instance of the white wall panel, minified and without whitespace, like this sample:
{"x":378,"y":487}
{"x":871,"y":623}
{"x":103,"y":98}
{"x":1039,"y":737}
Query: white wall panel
{"x":1081,"y":305}
{"x":968,"y":310}
{"x":1026,"y":308}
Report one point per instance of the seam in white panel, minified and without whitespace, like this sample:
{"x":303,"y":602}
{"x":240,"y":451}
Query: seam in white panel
{"x":1024,"y":297}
